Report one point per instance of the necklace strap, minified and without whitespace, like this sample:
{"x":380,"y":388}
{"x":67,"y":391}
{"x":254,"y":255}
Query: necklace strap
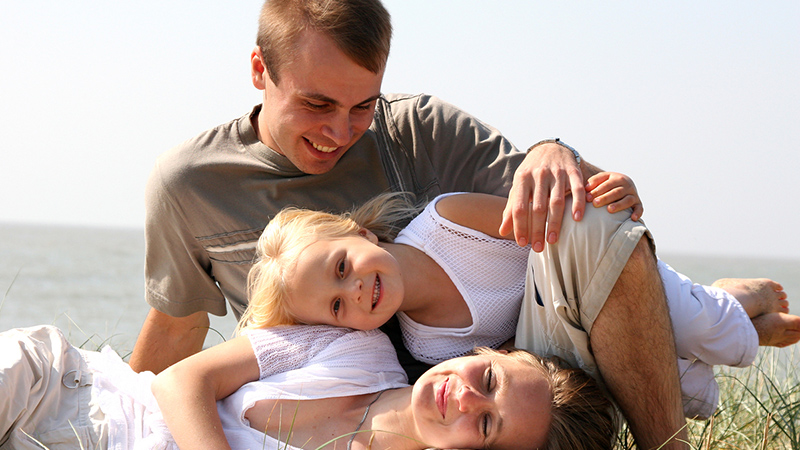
{"x":353,"y":436}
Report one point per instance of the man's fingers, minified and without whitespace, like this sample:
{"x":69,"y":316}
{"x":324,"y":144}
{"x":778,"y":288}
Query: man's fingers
{"x":515,"y":215}
{"x":556,"y":212}
{"x":578,"y":195}
{"x":538,"y":215}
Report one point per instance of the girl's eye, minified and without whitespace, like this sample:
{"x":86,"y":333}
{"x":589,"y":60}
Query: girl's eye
{"x":340,"y":269}
{"x":485,"y":425}
{"x":336,"y":304}
{"x":489,"y":377}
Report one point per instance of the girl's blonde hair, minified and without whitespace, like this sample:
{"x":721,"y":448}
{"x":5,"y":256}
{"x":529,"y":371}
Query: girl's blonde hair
{"x":294,"y":229}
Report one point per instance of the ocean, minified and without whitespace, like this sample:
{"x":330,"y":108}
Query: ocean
{"x":89,"y":281}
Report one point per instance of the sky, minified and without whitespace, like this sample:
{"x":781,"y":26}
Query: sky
{"x":699,"y":102}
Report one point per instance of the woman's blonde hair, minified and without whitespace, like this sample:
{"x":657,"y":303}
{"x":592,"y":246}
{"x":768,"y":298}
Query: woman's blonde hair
{"x":582,"y":416}
{"x":294,"y":229}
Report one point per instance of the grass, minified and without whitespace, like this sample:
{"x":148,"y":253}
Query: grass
{"x":759,"y":408}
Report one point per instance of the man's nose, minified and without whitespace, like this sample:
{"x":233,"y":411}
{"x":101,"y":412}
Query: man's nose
{"x":339,"y":128}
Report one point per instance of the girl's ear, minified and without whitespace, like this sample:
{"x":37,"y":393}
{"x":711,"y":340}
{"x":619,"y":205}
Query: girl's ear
{"x":369,"y":235}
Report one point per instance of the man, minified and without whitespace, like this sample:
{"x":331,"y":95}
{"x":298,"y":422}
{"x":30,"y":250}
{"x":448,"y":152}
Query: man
{"x":325,"y":137}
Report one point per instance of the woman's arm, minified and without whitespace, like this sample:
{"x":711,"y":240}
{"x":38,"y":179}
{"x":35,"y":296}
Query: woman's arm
{"x":187,"y":392}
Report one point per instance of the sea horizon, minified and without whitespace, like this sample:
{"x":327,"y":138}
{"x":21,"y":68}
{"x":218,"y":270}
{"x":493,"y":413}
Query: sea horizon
{"x":89,"y":280}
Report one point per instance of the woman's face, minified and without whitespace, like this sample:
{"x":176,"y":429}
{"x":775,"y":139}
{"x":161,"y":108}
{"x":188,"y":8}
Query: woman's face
{"x":482,"y":402}
{"x":347,"y":282}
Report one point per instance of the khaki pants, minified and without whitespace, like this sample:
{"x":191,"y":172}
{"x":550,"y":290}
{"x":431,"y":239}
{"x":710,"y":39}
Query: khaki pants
{"x":568,"y":283}
{"x":45,"y":393}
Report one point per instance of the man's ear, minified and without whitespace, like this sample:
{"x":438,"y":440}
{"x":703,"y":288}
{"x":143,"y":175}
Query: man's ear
{"x":258,"y":69}
{"x":369,"y":235}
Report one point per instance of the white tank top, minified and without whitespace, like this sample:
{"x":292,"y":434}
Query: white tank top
{"x":488,"y":272}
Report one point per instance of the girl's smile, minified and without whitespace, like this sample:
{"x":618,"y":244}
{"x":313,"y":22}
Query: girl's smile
{"x":349,"y":282}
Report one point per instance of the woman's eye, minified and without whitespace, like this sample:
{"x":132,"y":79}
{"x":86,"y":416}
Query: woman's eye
{"x":340,"y":269}
{"x":486,"y":425}
{"x":336,"y":304}
{"x":489,"y":376}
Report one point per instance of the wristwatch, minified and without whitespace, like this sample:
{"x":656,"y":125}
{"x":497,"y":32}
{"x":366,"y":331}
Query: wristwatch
{"x":561,"y":143}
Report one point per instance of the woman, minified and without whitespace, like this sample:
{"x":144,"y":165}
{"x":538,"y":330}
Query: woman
{"x":332,"y":383}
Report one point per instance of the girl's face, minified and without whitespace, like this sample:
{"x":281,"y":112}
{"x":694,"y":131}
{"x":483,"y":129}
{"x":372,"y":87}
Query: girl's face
{"x":347,"y":282}
{"x":482,"y":402}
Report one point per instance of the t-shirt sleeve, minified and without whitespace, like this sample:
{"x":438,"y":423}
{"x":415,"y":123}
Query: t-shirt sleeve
{"x":177,"y":268}
{"x":467,"y":154}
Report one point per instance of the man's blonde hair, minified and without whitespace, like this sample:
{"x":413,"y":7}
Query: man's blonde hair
{"x":361,"y":29}
{"x":294,"y":229}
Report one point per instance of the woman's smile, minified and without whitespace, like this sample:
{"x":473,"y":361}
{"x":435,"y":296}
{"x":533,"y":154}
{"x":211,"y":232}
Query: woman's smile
{"x":441,"y":397}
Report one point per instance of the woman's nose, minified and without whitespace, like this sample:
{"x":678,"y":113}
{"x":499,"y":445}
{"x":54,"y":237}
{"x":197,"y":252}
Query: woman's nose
{"x":470,"y":400}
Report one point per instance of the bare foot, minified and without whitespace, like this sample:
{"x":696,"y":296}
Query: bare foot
{"x":757,"y":295}
{"x":777,"y":329}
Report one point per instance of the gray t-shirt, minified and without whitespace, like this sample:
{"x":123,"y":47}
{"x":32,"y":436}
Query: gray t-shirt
{"x":209,"y":198}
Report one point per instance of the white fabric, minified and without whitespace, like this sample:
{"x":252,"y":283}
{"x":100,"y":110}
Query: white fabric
{"x":45,"y":393}
{"x":333,"y":362}
{"x":711,"y":328}
{"x":710,"y":325}
{"x":488,"y":272}
{"x":354,"y":363}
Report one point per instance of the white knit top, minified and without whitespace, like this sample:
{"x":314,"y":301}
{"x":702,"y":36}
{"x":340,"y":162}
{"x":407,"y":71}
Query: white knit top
{"x":488,"y":272}
{"x":312,"y":362}
{"x":295,"y":362}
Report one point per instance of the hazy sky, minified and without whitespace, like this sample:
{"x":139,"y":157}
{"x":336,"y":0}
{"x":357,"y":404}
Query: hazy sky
{"x":698,"y":101}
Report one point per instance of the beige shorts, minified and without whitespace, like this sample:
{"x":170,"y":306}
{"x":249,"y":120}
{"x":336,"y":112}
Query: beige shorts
{"x":45,"y":393}
{"x":568,"y":284}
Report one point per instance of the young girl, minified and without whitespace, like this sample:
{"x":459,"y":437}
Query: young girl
{"x":454,"y":284}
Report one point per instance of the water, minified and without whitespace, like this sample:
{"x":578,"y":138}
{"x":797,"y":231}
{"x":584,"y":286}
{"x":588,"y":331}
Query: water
{"x":87,"y":281}
{"x":90,"y":282}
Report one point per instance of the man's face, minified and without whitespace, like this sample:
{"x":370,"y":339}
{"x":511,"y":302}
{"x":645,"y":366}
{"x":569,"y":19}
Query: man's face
{"x":322,"y":105}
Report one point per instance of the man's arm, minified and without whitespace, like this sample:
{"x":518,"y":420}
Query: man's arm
{"x":165,"y":340}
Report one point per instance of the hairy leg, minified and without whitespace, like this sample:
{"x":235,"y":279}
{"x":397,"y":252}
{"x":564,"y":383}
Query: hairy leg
{"x":757,"y":295}
{"x":634,"y":347}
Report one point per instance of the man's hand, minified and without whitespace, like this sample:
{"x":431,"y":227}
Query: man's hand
{"x":536,"y":199}
{"x":615,"y":190}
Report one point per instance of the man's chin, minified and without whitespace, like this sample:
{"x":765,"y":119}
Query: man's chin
{"x":321,"y":162}
{"x":318,"y":167}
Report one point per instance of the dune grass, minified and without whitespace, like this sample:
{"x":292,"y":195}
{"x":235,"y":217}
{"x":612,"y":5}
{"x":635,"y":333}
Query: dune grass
{"x":759,"y":408}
